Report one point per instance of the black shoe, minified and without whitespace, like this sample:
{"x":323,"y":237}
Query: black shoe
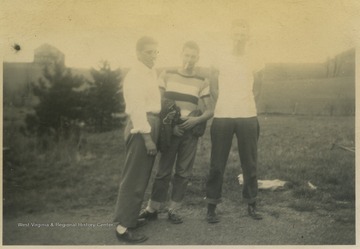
{"x":140,"y":223}
{"x":212,"y":217}
{"x":174,"y":218}
{"x":130,"y":237}
{"x":253,"y":212}
{"x":145,"y":214}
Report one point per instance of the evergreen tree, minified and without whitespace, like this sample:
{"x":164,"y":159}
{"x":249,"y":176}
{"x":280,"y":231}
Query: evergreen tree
{"x":60,"y":101}
{"x":104,"y":98}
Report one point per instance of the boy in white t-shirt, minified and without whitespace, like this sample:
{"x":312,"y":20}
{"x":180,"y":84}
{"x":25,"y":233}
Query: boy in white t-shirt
{"x":235,"y":113}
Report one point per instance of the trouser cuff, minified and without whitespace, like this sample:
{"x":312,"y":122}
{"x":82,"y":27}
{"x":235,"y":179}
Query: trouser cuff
{"x":213,"y":201}
{"x":250,"y":200}
{"x":154,"y":205}
{"x":173,"y":206}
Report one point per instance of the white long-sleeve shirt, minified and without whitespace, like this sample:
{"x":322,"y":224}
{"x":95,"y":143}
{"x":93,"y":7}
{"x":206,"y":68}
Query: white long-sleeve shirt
{"x":142,"y":95}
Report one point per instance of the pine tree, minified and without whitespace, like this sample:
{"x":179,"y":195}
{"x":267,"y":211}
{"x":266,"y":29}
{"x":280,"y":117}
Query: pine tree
{"x":104,"y":98}
{"x":60,"y":102}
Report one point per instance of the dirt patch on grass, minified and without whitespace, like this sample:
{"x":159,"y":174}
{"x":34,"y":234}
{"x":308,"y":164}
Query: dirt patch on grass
{"x":281,"y":225}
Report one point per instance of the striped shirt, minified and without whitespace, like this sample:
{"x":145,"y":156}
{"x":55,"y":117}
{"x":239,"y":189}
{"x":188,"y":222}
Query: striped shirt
{"x":186,"y":90}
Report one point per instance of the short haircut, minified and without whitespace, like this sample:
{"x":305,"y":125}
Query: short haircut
{"x":191,"y":45}
{"x":239,"y":22}
{"x":143,"y":41}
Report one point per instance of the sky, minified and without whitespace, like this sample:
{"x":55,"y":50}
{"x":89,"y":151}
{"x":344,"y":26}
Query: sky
{"x":90,"y":31}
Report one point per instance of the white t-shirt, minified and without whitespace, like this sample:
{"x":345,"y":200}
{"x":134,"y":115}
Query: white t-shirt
{"x":236,"y":78}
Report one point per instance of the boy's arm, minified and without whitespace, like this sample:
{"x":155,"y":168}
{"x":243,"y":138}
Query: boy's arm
{"x":209,"y":109}
{"x":214,"y":87}
{"x":258,"y":79}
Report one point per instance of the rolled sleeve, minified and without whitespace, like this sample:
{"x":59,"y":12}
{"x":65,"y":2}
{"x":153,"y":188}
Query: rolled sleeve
{"x":205,"y":91}
{"x":140,"y":123}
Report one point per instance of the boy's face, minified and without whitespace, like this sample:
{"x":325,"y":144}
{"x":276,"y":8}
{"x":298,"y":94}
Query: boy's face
{"x":148,"y":55}
{"x":190,"y":57}
{"x":240,"y":32}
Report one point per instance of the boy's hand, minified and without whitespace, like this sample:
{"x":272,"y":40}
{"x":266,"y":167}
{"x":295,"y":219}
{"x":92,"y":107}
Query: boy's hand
{"x":150,"y":145}
{"x":177,"y":131}
{"x":189,"y":123}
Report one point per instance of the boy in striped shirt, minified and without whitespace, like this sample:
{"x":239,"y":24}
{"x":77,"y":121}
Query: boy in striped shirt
{"x":187,"y":89}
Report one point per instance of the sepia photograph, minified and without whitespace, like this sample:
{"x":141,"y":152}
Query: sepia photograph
{"x":179,"y":123}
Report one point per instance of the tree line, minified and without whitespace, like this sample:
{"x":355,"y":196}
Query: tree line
{"x":66,"y":101}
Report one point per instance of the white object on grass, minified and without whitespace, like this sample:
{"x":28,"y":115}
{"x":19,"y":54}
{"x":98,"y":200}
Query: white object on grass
{"x":266,"y":184}
{"x":311,"y":185}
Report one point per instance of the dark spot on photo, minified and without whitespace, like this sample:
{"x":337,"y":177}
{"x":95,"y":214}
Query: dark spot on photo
{"x":16,"y":47}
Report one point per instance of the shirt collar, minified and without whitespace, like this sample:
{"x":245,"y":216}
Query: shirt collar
{"x":141,"y":66}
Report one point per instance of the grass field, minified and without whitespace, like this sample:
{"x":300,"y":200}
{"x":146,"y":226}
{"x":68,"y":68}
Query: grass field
{"x":296,"y":149}
{"x":325,"y":96}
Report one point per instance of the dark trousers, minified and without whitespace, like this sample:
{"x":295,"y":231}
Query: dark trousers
{"x":183,"y":149}
{"x":247,"y":133}
{"x":135,"y":175}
